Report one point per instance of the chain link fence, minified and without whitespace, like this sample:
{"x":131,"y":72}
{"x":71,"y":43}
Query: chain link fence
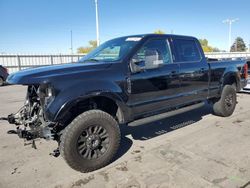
{"x":225,"y":55}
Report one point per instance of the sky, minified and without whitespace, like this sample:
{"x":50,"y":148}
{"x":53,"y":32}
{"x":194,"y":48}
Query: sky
{"x":43,"y":26}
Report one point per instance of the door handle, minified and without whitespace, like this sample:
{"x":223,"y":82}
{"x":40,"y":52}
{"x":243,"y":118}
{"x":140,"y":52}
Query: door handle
{"x":129,"y":85}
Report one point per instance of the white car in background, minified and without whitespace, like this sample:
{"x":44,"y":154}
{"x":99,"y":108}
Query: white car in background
{"x":247,"y":88}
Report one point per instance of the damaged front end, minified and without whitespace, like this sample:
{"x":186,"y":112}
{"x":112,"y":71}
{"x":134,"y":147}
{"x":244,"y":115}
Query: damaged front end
{"x":31,"y":122}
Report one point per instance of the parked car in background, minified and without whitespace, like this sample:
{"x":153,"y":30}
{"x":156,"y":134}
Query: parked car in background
{"x":3,"y":75}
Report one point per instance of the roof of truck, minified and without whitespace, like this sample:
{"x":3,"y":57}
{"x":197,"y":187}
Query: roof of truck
{"x":158,"y":35}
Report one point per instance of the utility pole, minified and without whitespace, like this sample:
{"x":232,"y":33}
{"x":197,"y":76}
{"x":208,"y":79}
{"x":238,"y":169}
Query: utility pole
{"x":71,"y":41}
{"x":97,"y":23}
{"x":230,"y":22}
{"x":71,"y":45}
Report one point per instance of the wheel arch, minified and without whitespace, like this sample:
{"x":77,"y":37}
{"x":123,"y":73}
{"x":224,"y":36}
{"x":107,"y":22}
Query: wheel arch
{"x":107,"y":102}
{"x":231,"y":78}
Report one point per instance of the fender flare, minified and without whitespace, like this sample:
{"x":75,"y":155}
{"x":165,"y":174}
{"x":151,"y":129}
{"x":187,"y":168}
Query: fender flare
{"x":122,"y":109}
{"x":230,"y":73}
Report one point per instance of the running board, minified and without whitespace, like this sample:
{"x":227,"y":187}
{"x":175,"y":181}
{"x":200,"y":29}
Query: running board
{"x":165,"y":115}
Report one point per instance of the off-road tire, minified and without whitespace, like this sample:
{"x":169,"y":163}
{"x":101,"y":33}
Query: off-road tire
{"x":69,"y":140}
{"x":225,"y":106}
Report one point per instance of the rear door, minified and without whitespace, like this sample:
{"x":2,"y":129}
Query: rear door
{"x":194,"y":70}
{"x":154,"y":78}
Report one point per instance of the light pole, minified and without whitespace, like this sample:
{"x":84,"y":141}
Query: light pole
{"x":230,"y":22}
{"x":97,"y":23}
{"x":71,"y":45}
{"x":71,"y":41}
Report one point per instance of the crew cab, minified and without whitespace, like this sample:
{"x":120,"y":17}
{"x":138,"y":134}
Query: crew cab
{"x":127,"y":79}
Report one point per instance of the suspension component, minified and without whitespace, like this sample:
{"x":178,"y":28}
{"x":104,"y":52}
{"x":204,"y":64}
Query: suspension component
{"x":3,"y":119}
{"x":11,"y":119}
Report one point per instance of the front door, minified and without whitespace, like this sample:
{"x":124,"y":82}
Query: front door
{"x":154,"y":79}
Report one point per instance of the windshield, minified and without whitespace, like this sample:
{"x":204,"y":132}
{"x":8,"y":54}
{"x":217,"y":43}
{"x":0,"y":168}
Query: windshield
{"x":112,"y":50}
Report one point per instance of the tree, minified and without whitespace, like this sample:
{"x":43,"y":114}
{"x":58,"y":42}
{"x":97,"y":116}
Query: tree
{"x":206,"y":47}
{"x":238,"y":45}
{"x":159,"y":32}
{"x":87,"y":49}
{"x":216,"y":50}
{"x":93,"y":43}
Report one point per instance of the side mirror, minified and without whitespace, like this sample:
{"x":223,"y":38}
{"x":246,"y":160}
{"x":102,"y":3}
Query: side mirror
{"x":137,"y":66}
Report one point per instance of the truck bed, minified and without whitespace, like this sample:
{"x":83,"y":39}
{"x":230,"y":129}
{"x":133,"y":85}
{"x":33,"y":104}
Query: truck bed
{"x":221,"y":69}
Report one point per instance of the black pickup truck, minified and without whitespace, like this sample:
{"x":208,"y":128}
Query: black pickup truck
{"x":81,"y":105}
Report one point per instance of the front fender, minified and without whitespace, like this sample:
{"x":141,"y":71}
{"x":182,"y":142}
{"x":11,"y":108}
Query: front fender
{"x":69,"y":96}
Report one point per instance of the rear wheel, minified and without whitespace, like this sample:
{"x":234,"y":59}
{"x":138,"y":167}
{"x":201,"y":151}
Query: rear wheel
{"x":225,"y":106}
{"x":91,"y":141}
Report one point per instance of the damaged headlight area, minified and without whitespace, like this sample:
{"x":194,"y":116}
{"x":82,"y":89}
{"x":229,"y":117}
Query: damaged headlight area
{"x":31,"y":122}
{"x":46,"y":94}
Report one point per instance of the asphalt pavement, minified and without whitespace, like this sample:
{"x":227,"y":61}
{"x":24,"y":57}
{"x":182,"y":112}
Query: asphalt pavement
{"x":193,"y":149}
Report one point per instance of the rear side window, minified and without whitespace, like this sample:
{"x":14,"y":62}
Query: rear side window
{"x":186,"y":50}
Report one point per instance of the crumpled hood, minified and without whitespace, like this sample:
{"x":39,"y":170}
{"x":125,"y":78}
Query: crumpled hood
{"x":44,"y":74}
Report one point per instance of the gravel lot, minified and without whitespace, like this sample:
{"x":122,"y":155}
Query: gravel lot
{"x":194,"y":149}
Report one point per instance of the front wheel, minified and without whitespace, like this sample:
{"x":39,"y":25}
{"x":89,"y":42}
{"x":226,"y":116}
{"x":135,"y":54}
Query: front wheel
{"x":91,"y":141}
{"x":226,"y":105}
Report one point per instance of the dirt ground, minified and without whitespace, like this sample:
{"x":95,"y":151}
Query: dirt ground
{"x":194,"y":149}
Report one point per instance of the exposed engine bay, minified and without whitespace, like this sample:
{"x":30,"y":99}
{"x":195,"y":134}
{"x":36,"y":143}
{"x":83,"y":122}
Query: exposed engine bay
{"x":30,"y":120}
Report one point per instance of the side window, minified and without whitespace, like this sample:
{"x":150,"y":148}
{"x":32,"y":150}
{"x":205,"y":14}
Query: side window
{"x":152,"y":55}
{"x":186,"y":50}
